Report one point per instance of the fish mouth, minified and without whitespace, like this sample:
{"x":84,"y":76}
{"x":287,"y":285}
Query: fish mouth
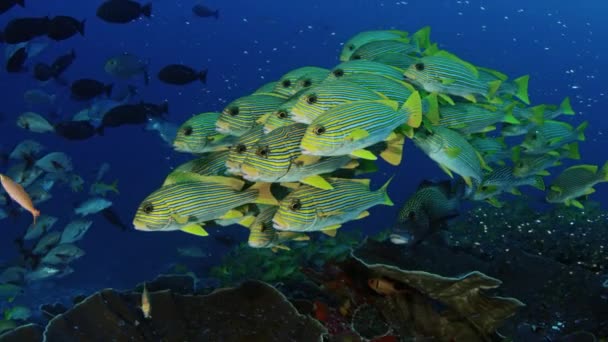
{"x":222,"y":127}
{"x":140,"y":225}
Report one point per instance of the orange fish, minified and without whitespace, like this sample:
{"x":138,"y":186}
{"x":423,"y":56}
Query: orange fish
{"x":18,"y":194}
{"x":321,"y":311}
{"x":382,"y":286}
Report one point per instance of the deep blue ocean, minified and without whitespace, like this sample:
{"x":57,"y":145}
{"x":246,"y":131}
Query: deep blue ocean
{"x":560,"y":44}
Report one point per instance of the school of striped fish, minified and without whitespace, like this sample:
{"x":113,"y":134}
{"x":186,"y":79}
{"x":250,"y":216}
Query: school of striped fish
{"x":284,"y":161}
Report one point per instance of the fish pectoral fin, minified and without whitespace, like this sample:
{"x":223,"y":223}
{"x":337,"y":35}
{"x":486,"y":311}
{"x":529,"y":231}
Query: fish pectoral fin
{"x":179,"y":219}
{"x":332,"y":227}
{"x":307,"y":159}
{"x":515,"y":192}
{"x":577,"y":204}
{"x":447,"y":81}
{"x":452,"y":152}
{"x":277,"y":247}
{"x":364,"y":154}
{"x":446,"y":170}
{"x":494,"y":202}
{"x":446,"y":98}
{"x":330,"y":213}
{"x":470,"y":97}
{"x":589,"y":191}
{"x":357,"y":134}
{"x":231,"y":214}
{"x":195,"y":229}
{"x":556,"y":188}
{"x":317,"y":181}
{"x":363,"y":214}
{"x":331,"y":232}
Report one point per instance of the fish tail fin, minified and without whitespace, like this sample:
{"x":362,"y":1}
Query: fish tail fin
{"x":581,"y":130}
{"x":422,"y":38}
{"x":565,"y":107}
{"x":216,"y":15}
{"x":114,"y":187}
{"x":108,"y":89}
{"x":522,"y":88}
{"x":202,"y":76}
{"x":81,"y":27}
{"x":604,"y":172}
{"x":571,"y":151}
{"x":147,"y":10}
{"x":539,"y":183}
{"x":538,"y":114}
{"x":264,"y":194}
{"x":394,"y":149}
{"x":384,"y":192}
{"x":413,"y":108}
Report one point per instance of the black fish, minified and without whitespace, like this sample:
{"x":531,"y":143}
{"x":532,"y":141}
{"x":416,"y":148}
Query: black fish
{"x":25,"y":29}
{"x":86,"y":89}
{"x":128,"y":114}
{"x":179,"y":74}
{"x":63,"y":27}
{"x":16,"y":61}
{"x":114,"y":219}
{"x":155,"y":111}
{"x":122,"y":11}
{"x":43,"y":72}
{"x":75,"y":130}
{"x":63,"y":62}
{"x":205,"y":12}
{"x":6,"y":5}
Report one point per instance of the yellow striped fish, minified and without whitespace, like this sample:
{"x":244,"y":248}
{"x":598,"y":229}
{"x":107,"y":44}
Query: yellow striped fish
{"x":444,"y":73}
{"x":241,"y":114}
{"x":363,"y":38}
{"x":350,"y":128}
{"x":469,"y":118}
{"x":237,"y":154}
{"x":212,"y":164}
{"x":198,"y":135}
{"x":452,"y":152}
{"x":279,"y":118}
{"x":311,"y":79}
{"x":394,"y":53}
{"x":364,"y":67}
{"x":575,"y":182}
{"x":263,"y":235}
{"x":287,"y":85}
{"x":308,"y":209}
{"x":316,"y":101}
{"x":277,"y":157}
{"x":189,"y":200}
{"x":552,"y":135}
{"x":393,"y":89}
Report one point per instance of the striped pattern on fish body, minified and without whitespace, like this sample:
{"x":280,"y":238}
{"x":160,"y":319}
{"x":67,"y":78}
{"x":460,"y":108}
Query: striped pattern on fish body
{"x":504,"y":178}
{"x":373,"y":50}
{"x":311,"y":79}
{"x":518,"y":87}
{"x":287,"y":85}
{"x":469,"y":118}
{"x":447,"y":74}
{"x":309,"y":209}
{"x":196,"y":200}
{"x":363,"y":67}
{"x":552,"y":135}
{"x":241,"y":114}
{"x":451,"y":151}
{"x":428,"y":204}
{"x":564,"y":108}
{"x":280,"y":117}
{"x":276,"y":158}
{"x":198,"y":135}
{"x":366,"y":37}
{"x":394,"y":89}
{"x":492,"y":150}
{"x":534,"y":165}
{"x":353,"y":126}
{"x":263,"y":235}
{"x":316,"y":101}
{"x":395,"y":60}
{"x":212,"y":164}
{"x":238,"y":151}
{"x":515,"y":130}
{"x":576,"y":181}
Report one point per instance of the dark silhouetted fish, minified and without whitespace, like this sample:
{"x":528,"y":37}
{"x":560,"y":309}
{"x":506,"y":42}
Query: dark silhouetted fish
{"x":63,"y":27}
{"x":87,"y":89}
{"x":75,"y":130}
{"x":43,"y":72}
{"x":122,"y":11}
{"x":127,"y":114}
{"x":61,"y":63}
{"x":114,"y":219}
{"x":6,"y":5}
{"x":16,"y":60}
{"x":155,"y":111}
{"x":205,"y":12}
{"x":25,"y":29}
{"x":179,"y":74}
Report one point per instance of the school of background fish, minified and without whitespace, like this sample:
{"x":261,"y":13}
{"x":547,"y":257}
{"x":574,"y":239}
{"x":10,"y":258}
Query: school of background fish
{"x":291,"y":158}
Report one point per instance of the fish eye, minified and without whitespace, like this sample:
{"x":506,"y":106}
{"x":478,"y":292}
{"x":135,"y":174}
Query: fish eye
{"x":338,"y":72}
{"x":419,"y":66}
{"x":286,"y":83}
{"x":411,"y":215}
{"x":307,"y":83}
{"x":356,"y":57}
{"x":319,"y":130}
{"x":484,"y":188}
{"x":263,"y":151}
{"x":234,"y":111}
{"x":188,"y":131}
{"x":282,"y":114}
{"x":311,"y":99}
{"x":295,"y":205}
{"x":148,"y":208}
{"x":351,"y":47}
{"x":534,"y":136}
{"x":240,"y":148}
